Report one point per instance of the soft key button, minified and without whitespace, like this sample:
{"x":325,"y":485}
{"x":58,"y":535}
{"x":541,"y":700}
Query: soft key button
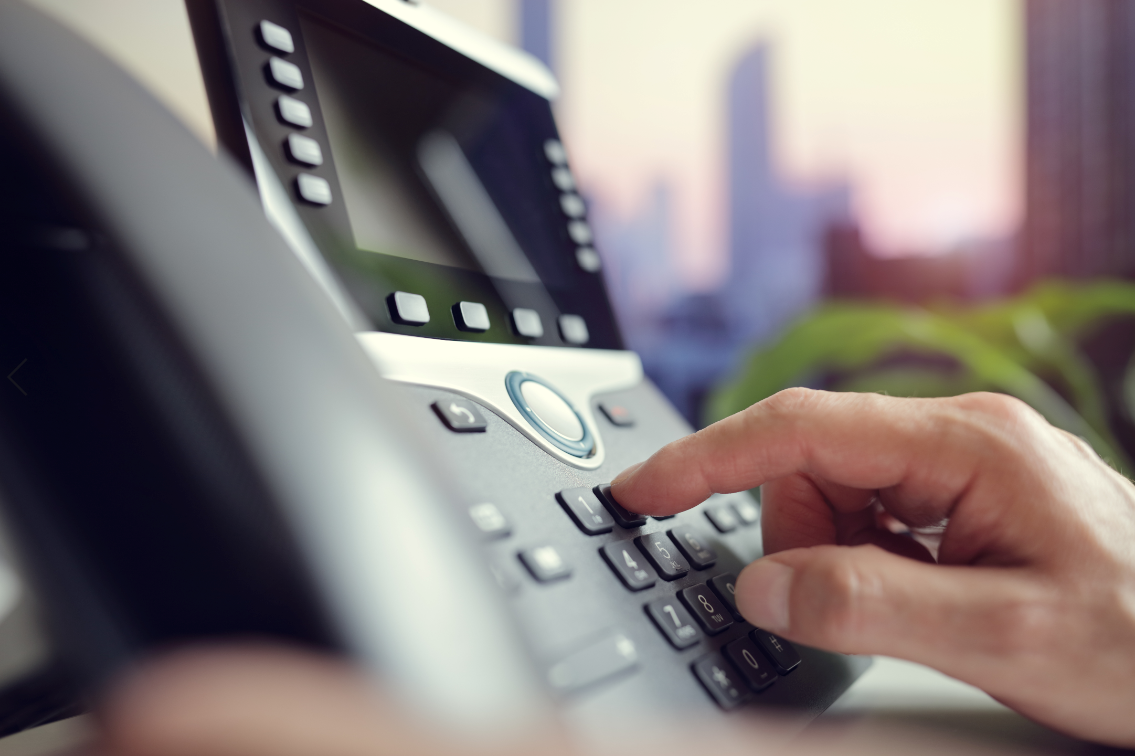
{"x":285,"y":74}
{"x":408,"y":309}
{"x":293,"y":112}
{"x":304,"y":150}
{"x":573,"y":329}
{"x":471,"y":316}
{"x":527,"y":323}
{"x":313,"y":189}
{"x":276,"y":37}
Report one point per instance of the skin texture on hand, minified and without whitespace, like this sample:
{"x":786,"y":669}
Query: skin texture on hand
{"x":1030,"y":595}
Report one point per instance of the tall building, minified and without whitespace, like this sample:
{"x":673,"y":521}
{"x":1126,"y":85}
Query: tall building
{"x":777,"y":265}
{"x":536,"y":29}
{"x":1079,"y":139}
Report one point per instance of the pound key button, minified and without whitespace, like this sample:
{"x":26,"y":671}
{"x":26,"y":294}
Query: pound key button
{"x":779,"y":650}
{"x":663,"y":555}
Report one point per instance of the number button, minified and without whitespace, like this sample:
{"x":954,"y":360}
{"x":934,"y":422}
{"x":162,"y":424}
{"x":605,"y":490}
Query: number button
{"x":705,"y":605}
{"x":694,"y":547}
{"x":674,"y":621}
{"x":663,"y":555}
{"x":723,"y":585}
{"x":759,"y":674}
{"x":585,"y":510}
{"x":625,"y":518}
{"x":779,"y":650}
{"x":720,"y":680}
{"x":629,"y":565}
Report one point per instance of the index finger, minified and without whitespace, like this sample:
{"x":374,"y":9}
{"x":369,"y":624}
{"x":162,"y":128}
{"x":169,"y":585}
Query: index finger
{"x":921,"y":449}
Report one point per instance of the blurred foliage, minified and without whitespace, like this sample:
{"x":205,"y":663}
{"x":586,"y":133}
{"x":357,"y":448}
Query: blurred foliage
{"x":1025,"y":347}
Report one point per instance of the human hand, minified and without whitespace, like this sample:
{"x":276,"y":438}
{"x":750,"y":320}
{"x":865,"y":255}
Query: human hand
{"x":1032,"y":596}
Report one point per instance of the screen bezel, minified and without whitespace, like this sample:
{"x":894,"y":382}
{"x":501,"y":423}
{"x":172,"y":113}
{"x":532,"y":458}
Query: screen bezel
{"x":240,"y":78}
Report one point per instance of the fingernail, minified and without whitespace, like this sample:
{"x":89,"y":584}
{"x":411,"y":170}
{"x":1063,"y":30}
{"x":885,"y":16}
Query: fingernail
{"x":763,"y":594}
{"x":623,"y":476}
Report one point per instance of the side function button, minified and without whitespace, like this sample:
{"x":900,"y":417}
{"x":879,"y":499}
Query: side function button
{"x":460,"y":415}
{"x":572,"y":205}
{"x":663,"y":555}
{"x":276,"y":37}
{"x":747,"y":511}
{"x":625,"y":517}
{"x":573,"y":329}
{"x":562,"y":178}
{"x":527,"y":323}
{"x":723,"y":585}
{"x":579,"y":231}
{"x":554,"y":151}
{"x":674,"y":621}
{"x":707,"y":608}
{"x":721,"y":681}
{"x":617,"y":414}
{"x":722,"y":517}
{"x":585,"y":510}
{"x":545,"y":564}
{"x":594,"y":663}
{"x":588,"y":260}
{"x":304,"y":150}
{"x":694,"y":547}
{"x":293,"y":112}
{"x":313,"y":189}
{"x":408,"y":309}
{"x":779,"y":650}
{"x":754,"y":667}
{"x":471,"y":316}
{"x":629,"y":565}
{"x":285,"y":74}
{"x":489,"y":520}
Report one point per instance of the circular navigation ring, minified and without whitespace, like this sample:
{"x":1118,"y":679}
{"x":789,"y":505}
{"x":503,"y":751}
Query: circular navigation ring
{"x":550,"y":413}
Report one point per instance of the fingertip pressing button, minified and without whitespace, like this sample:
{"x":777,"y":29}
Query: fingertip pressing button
{"x":625,"y":517}
{"x":722,"y":517}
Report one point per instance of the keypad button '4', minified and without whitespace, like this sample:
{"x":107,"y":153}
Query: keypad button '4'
{"x":663,"y":555}
{"x":705,"y":605}
{"x":674,"y":621}
{"x":629,"y":565}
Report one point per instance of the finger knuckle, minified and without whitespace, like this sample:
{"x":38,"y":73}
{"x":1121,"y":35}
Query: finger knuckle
{"x":1001,"y":406}
{"x":789,"y":400}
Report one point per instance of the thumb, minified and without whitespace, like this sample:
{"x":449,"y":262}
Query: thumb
{"x":964,"y":621}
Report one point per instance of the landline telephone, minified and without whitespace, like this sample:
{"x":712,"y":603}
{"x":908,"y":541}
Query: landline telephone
{"x":371,"y":408}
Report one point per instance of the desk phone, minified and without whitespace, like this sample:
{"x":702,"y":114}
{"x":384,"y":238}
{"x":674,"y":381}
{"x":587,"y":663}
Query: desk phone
{"x":373,"y":409}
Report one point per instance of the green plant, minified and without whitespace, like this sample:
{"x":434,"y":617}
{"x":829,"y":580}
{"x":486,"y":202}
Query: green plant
{"x":1007,"y":346}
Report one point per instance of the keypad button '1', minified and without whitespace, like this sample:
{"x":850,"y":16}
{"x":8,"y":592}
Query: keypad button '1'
{"x":674,"y":621}
{"x":663,"y":555}
{"x":585,"y":510}
{"x":708,"y":608}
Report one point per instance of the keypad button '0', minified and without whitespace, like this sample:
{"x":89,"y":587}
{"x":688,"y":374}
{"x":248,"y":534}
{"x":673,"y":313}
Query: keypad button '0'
{"x":759,"y":674}
{"x":779,"y":650}
{"x":694,"y":546}
{"x":674,"y":621}
{"x":707,"y":608}
{"x":629,"y":565}
{"x":585,"y":510}
{"x":721,"y":680}
{"x":545,"y":564}
{"x":723,"y":585}
{"x":663,"y":555}
{"x":625,"y":517}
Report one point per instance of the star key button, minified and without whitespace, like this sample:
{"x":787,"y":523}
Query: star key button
{"x":664,"y":555}
{"x":721,"y":680}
